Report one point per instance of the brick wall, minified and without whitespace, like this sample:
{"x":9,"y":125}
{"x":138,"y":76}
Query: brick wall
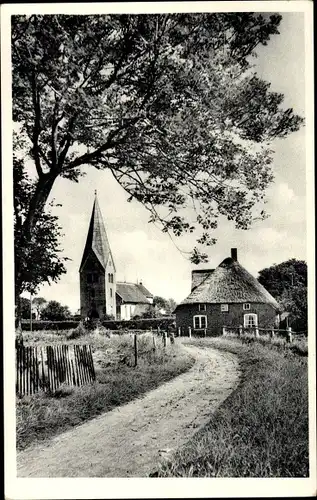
{"x":217,"y":319}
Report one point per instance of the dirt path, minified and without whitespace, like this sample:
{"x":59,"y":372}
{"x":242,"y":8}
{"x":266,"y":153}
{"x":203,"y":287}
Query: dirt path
{"x":130,"y":440}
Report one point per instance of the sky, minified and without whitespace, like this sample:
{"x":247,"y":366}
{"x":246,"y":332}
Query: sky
{"x":142,"y":252}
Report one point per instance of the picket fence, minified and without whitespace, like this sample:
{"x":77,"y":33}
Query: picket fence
{"x":47,"y":367}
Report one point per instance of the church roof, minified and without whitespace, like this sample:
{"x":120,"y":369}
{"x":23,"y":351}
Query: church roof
{"x":230,"y":283}
{"x":145,"y":291}
{"x":133,"y":293}
{"x":97,"y":240}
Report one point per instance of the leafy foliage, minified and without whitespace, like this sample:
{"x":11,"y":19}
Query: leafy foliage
{"x":54,"y":311}
{"x":287,"y":282}
{"x":39,"y":304}
{"x":25,"y":308}
{"x":167,"y":305}
{"x":169,"y":103}
{"x":37,"y":259}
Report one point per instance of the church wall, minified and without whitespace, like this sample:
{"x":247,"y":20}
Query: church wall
{"x":92,"y":290}
{"x":110,"y":289}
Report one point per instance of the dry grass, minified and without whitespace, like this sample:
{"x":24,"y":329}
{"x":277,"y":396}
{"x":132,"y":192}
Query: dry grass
{"x":42,"y":416}
{"x":261,"y":430}
{"x":298,"y":346}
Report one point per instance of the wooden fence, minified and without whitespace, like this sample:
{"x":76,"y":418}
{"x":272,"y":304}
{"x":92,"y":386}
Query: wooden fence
{"x":163,"y":336}
{"x":259,"y":332}
{"x":46,"y":368}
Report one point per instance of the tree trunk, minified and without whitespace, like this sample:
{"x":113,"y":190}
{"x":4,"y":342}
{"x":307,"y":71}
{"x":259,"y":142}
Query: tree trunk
{"x":18,"y":324}
{"x":37,"y":204}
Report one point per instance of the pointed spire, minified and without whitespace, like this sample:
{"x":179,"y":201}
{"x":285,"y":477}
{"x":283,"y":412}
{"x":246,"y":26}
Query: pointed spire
{"x":97,"y":239}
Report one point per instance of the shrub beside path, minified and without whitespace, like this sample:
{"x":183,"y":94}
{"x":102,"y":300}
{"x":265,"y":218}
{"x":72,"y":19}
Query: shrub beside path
{"x":131,"y":440}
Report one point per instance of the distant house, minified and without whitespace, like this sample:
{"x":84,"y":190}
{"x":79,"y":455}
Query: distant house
{"x":101,"y":295}
{"x":133,"y":299}
{"x":226,"y":296}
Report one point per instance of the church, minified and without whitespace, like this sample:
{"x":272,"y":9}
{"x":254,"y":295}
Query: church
{"x":101,"y":295}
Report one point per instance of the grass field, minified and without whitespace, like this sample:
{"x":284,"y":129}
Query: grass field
{"x":42,"y":416}
{"x":261,"y":430}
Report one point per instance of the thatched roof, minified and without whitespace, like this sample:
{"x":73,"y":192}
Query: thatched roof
{"x":230,"y":283}
{"x":145,"y":291}
{"x":132,"y":293}
{"x":199,"y":275}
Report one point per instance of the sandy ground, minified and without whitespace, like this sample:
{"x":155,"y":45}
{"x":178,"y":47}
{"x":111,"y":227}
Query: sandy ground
{"x":131,"y":440}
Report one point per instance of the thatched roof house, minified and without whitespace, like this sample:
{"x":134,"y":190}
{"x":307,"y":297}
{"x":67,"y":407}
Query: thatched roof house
{"x":226,"y":296}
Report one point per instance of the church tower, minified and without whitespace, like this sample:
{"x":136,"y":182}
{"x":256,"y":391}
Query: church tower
{"x":97,"y":271}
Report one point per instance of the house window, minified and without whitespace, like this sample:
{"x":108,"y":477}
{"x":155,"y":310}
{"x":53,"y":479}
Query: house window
{"x":246,"y":307}
{"x":110,"y":292}
{"x":224,"y":308}
{"x":201,"y":307}
{"x":250,"y":320}
{"x":200,"y":322}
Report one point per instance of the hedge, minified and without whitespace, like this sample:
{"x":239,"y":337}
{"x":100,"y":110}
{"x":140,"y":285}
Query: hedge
{"x":48,"y":325}
{"x":141,"y":324}
{"x":133,"y":324}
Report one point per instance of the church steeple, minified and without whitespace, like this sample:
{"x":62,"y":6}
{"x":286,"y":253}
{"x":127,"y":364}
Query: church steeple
{"x":97,"y":240}
{"x":97,"y":270}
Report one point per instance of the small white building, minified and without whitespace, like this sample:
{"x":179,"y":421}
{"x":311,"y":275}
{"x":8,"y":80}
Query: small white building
{"x":132,"y":299}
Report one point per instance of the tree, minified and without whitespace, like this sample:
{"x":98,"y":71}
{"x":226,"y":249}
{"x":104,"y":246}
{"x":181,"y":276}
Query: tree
{"x":169,"y":103}
{"x":25,"y":308}
{"x":159,"y":303}
{"x":171,"y":305}
{"x":163,"y":306}
{"x":54,"y":311}
{"x":37,"y":258}
{"x":39,"y":303}
{"x":287,"y":282}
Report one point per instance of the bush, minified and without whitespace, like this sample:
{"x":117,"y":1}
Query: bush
{"x":77,"y":332}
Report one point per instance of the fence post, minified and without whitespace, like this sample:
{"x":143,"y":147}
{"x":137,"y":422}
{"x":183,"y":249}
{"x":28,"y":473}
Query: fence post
{"x":164,"y":339}
{"x":224,"y":331}
{"x":205,"y":332}
{"x":289,"y":336}
{"x":30,"y":312}
{"x":272,"y":334}
{"x":179,"y":331}
{"x":256,"y":332}
{"x":172,"y":338}
{"x":135,"y":350}
{"x":154,"y":344}
{"x":240,"y":331}
{"x":189,"y":332}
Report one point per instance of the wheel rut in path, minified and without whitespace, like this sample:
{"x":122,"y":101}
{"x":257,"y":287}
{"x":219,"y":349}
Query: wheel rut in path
{"x":131,"y":440}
